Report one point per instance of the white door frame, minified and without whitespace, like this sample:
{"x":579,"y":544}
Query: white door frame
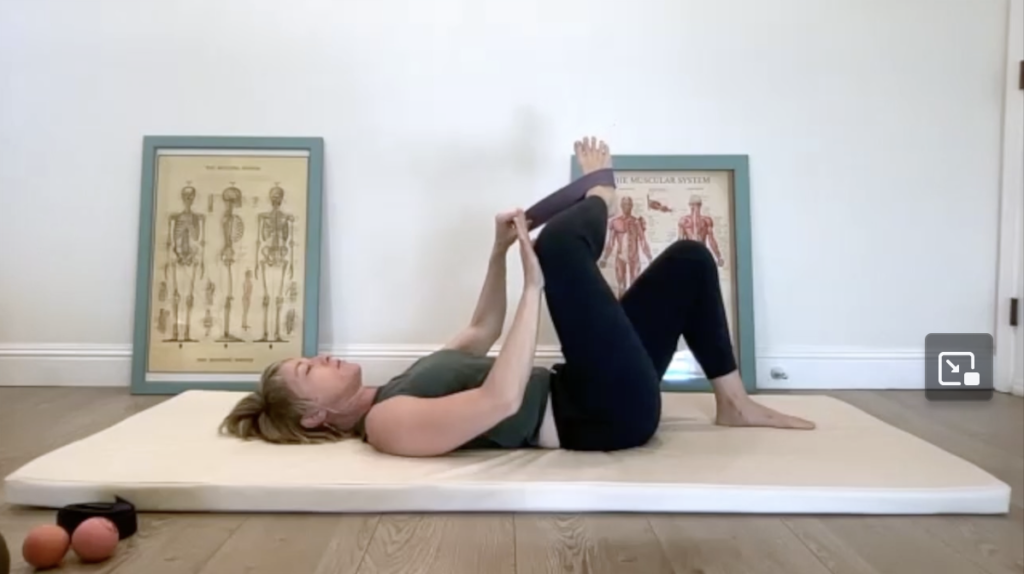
{"x":1008,"y":339}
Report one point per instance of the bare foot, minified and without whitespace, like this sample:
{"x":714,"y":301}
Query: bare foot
{"x":747,"y":413}
{"x":593,"y":155}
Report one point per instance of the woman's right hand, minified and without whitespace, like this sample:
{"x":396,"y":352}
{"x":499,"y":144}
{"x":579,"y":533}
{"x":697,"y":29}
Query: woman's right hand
{"x":533,"y":276}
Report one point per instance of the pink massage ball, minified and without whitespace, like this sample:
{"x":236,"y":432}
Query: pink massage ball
{"x":45,"y":546}
{"x":95,"y":539}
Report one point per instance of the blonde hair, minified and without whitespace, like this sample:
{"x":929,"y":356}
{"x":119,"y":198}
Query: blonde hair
{"x":273,"y":414}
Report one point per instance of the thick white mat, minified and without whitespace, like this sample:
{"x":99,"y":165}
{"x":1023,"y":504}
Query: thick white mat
{"x":169,"y":458}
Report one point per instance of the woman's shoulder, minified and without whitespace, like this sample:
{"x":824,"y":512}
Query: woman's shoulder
{"x":448,"y":356}
{"x":440,"y":372}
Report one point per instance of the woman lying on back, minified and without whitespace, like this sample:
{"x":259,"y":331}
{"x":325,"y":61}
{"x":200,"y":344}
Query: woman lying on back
{"x":605,"y":396}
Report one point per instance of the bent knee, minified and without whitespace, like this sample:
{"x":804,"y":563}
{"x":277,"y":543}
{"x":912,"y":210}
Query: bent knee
{"x":690,"y":252}
{"x":689,"y":248}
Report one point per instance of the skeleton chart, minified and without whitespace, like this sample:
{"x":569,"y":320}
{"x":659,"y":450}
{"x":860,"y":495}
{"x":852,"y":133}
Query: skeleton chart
{"x":656,"y":209}
{"x":228,"y":253}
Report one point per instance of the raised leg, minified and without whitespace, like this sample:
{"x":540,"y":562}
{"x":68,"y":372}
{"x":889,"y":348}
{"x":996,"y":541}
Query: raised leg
{"x":606,"y":395}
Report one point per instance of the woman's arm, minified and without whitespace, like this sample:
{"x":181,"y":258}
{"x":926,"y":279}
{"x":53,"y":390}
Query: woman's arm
{"x":413,"y":426}
{"x":507,"y":379}
{"x":489,"y":315}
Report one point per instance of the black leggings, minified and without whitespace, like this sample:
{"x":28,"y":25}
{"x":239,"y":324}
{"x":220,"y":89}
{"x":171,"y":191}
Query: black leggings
{"x":607,"y":394}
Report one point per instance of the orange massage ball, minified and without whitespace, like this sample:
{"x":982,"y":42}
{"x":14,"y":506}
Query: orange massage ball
{"x":95,"y":539}
{"x":45,"y":546}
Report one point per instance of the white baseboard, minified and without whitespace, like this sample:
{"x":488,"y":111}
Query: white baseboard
{"x":97,"y":365}
{"x":69,"y":365}
{"x":90,"y":365}
{"x":835,"y":369}
{"x":1018,"y":388}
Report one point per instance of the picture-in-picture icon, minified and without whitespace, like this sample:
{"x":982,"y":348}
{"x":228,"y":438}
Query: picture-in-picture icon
{"x":955,"y":371}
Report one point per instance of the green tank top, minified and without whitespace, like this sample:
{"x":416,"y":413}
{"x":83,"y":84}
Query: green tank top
{"x":450,"y":371}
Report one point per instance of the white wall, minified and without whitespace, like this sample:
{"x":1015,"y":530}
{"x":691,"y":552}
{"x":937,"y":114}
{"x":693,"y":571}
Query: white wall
{"x":1009,"y":364}
{"x":873,"y":129}
{"x":1017,"y":385}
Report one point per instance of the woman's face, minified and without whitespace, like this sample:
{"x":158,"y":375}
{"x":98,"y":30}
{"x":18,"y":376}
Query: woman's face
{"x":326,"y":381}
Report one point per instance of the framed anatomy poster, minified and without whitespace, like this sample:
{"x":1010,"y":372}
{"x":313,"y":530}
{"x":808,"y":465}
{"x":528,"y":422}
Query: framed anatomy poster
{"x":229,"y":260}
{"x":666,"y":198}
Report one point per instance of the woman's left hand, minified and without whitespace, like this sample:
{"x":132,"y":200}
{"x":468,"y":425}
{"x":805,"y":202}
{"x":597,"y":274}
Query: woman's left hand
{"x":505,"y":229}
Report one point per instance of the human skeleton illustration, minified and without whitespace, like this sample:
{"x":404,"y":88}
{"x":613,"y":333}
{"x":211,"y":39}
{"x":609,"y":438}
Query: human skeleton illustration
{"x":627,"y":238}
{"x":208,"y":322}
{"x":275,"y":250}
{"x":186,"y":241}
{"x":161,"y":321}
{"x":233,"y":229}
{"x":289,"y":321}
{"x":211,"y":291}
{"x":699,"y":227}
{"x":246,"y":299}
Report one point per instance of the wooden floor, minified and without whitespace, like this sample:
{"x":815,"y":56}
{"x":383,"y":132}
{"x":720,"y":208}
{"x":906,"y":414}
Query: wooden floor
{"x":34,"y":421}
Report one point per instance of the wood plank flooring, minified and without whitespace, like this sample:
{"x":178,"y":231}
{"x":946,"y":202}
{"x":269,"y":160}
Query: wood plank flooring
{"x":991,"y":435}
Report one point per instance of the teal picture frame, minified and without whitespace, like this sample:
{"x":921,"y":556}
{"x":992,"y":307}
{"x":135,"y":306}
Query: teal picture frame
{"x":142,"y":380}
{"x":685,"y":379}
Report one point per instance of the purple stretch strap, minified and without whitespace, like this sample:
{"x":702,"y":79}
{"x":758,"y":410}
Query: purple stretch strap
{"x":542,"y":211}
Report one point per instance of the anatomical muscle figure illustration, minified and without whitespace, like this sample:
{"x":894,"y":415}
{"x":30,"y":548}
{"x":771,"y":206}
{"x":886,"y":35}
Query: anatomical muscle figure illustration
{"x":700,"y":227}
{"x":658,"y":208}
{"x":626,"y":239}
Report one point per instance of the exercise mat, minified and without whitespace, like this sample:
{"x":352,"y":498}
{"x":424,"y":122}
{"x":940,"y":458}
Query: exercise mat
{"x":170,"y":458}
